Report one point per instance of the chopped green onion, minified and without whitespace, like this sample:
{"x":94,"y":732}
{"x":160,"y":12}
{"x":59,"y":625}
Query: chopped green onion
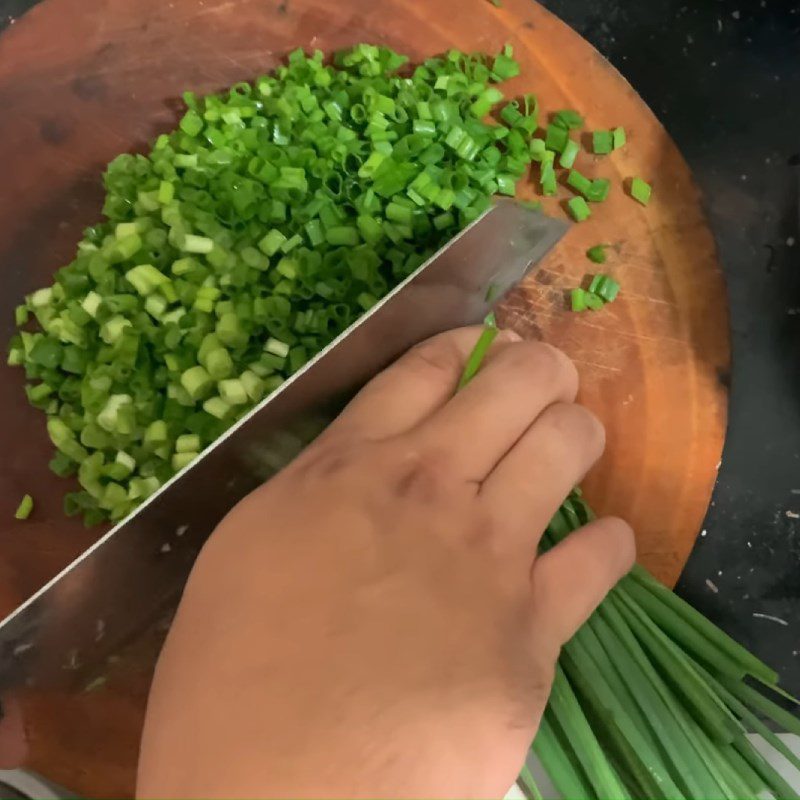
{"x":595,"y":282}
{"x":579,"y":182}
{"x":556,"y":138}
{"x":568,"y":154}
{"x":598,"y":190}
{"x":537,"y":148}
{"x":593,"y":302}
{"x":569,"y":119}
{"x":608,"y":289}
{"x":578,"y":299}
{"x":618,"y":137}
{"x":24,"y":508}
{"x":641,"y":190}
{"x":579,"y":209}
{"x":216,"y":407}
{"x":196,"y":381}
{"x":597,"y":253}
{"x":197,"y":244}
{"x":602,"y":142}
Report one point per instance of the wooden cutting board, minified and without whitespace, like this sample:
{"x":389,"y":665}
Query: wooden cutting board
{"x":78,"y":86}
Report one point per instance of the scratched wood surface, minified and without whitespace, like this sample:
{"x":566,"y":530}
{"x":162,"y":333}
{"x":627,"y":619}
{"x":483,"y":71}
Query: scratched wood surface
{"x":78,"y":85}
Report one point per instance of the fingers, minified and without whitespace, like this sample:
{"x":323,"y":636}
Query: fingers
{"x":484,"y":420}
{"x":524,"y":490}
{"x":415,"y":386}
{"x":570,"y":580}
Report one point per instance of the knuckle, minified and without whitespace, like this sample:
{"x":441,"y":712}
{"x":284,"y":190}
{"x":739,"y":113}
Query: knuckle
{"x":438,"y":358}
{"x":419,"y":477}
{"x":577,"y":423}
{"x":482,"y":529}
{"x":541,"y":362}
{"x":327,"y":460}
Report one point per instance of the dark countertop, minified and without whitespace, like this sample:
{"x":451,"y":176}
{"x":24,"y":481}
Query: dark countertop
{"x":724,"y":78}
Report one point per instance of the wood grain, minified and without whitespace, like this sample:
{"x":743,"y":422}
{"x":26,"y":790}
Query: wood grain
{"x":78,"y":86}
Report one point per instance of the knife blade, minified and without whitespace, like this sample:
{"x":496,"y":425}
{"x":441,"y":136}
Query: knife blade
{"x":133,"y":574}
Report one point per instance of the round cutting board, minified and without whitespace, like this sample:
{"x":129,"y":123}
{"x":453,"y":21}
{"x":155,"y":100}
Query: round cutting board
{"x":78,"y":86}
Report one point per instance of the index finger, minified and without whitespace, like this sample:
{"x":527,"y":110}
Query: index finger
{"x":414,"y":387}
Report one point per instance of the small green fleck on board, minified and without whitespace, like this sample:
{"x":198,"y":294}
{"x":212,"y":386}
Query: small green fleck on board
{"x":601,"y":290}
{"x":24,"y":508}
{"x":568,"y":154}
{"x":594,"y":302}
{"x":641,"y":191}
{"x":578,"y":300}
{"x":608,"y":289}
{"x":597,"y":253}
{"x":602,"y":142}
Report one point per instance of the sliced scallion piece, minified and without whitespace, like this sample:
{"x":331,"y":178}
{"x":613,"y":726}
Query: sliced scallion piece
{"x":641,"y":191}
{"x":568,"y":118}
{"x":597,"y":253}
{"x":24,"y":508}
{"x":602,"y":142}
{"x":579,"y":209}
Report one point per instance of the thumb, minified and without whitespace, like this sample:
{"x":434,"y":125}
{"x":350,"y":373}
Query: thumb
{"x":571,"y":579}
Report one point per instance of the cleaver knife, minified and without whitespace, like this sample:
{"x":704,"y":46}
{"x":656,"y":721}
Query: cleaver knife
{"x":134,"y":574}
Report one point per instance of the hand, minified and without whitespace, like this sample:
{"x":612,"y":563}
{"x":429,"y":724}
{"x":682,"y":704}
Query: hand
{"x":374,"y":621}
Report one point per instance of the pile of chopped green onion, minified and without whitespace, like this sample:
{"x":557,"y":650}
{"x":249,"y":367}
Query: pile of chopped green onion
{"x":261,"y":228}
{"x":244,"y":242}
{"x":252,"y":235}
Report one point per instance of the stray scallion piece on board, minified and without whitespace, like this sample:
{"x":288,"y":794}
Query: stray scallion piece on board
{"x":597,"y":253}
{"x":579,"y":209}
{"x":650,"y":699}
{"x":602,"y":289}
{"x":24,"y":508}
{"x":641,"y":191}
{"x":602,"y":142}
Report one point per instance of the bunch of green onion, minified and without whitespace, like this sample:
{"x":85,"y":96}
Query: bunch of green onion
{"x":250,"y":237}
{"x":652,"y":700}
